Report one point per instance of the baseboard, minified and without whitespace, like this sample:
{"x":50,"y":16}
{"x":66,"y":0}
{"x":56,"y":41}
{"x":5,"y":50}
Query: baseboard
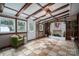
{"x":5,"y":47}
{"x":27,"y":42}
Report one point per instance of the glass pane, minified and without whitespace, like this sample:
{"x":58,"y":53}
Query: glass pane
{"x":32,"y":8}
{"x":9,"y":12}
{"x":4,"y":29}
{"x":23,"y":16}
{"x":16,"y":6}
{"x":31,"y":25}
{"x":7,"y":25}
{"x":21,"y":26}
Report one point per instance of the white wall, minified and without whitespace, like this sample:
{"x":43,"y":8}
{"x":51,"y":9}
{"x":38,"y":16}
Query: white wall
{"x":31,"y":34}
{"x":61,"y":27}
{"x":74,"y":8}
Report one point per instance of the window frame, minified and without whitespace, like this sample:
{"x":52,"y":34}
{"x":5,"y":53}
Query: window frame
{"x":25,"y":26}
{"x":15,"y":23}
{"x":9,"y":25}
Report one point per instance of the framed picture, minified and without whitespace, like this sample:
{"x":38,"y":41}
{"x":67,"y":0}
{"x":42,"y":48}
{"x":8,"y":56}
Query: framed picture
{"x":40,"y":27}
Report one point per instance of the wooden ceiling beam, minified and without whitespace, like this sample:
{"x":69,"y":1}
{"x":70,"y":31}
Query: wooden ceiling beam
{"x":26,"y":5}
{"x":11,"y":8}
{"x":55,"y":15}
{"x":62,"y":7}
{"x":12,"y":17}
{"x":42,"y":15}
{"x":61,"y":13}
{"x":60,"y":17}
{"x":39,"y":17}
{"x":39,"y":5}
{"x":63,"y":16}
{"x":40,"y":10}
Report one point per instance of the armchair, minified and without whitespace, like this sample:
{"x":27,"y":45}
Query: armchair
{"x":16,"y":40}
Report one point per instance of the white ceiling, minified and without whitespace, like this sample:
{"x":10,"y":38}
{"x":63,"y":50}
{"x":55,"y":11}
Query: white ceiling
{"x":74,"y":8}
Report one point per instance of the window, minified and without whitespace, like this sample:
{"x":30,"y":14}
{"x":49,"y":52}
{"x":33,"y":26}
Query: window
{"x":21,"y":26}
{"x":7,"y":25}
{"x":31,"y":26}
{"x":4,"y":29}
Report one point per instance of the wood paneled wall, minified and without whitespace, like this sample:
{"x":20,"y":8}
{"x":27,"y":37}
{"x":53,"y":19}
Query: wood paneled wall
{"x":68,"y":30}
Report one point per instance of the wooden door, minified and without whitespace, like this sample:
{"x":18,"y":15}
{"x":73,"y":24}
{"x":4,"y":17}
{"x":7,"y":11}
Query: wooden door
{"x":47,"y":29}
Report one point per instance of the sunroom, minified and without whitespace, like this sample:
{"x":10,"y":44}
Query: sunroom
{"x":39,"y":29}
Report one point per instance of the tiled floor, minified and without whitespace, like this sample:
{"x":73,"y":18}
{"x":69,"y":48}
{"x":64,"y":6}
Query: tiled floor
{"x":43,"y":47}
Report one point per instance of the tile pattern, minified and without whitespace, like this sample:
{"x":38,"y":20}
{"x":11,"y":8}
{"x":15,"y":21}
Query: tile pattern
{"x":43,"y":47}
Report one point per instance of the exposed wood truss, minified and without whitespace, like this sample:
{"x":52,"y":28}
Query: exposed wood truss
{"x":39,"y":10}
{"x":60,"y":17}
{"x":62,"y":7}
{"x":55,"y":15}
{"x":63,"y":16}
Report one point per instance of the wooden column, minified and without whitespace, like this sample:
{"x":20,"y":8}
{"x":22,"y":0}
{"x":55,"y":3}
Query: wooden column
{"x":16,"y":26}
{"x":68,"y":30}
{"x":78,"y":28}
{"x":37,"y":30}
